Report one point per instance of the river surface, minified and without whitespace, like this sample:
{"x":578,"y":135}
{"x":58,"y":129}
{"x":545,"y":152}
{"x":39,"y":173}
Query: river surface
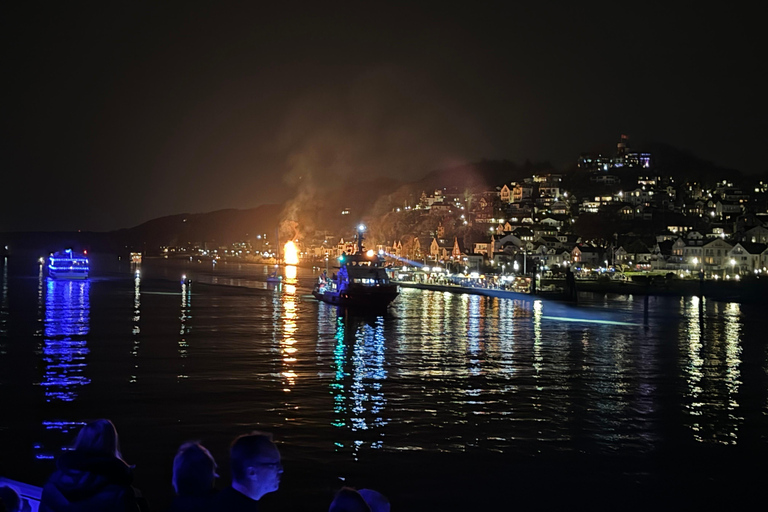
{"x":446,"y":402}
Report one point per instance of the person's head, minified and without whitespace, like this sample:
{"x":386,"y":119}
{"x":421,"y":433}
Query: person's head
{"x":348,"y":500}
{"x":377,"y":501}
{"x":255,"y":464}
{"x":9,"y":499}
{"x":194,"y":470}
{"x":99,"y":437}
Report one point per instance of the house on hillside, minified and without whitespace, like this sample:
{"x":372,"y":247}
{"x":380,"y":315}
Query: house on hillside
{"x":587,"y":255}
{"x":746,"y":257}
{"x":509,"y":244}
{"x":716,"y":255}
{"x":758,"y":235}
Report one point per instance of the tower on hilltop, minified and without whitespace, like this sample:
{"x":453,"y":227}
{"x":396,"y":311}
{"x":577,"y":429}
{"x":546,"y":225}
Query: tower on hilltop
{"x":623,"y":146}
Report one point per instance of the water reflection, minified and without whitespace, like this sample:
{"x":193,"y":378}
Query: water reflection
{"x":67,"y":310}
{"x":4,"y":305}
{"x":359,"y":373}
{"x":290,"y":279}
{"x":64,"y":350}
{"x":184,"y":316}
{"x":136,"y":330}
{"x":287,"y":342}
{"x":711,"y":365}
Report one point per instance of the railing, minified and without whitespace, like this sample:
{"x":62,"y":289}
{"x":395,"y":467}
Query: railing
{"x":29,"y":493}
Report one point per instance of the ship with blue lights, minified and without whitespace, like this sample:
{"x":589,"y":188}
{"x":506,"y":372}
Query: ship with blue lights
{"x":362,"y":280}
{"x":68,"y":264}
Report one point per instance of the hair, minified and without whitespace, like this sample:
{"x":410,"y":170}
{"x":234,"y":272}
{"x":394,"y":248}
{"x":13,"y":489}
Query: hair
{"x":246,"y":449}
{"x":100,"y":437}
{"x":348,"y":500}
{"x":194,"y":470}
{"x":10,"y":500}
{"x":377,"y":501}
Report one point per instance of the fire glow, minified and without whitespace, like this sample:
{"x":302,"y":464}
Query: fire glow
{"x":291,"y":254}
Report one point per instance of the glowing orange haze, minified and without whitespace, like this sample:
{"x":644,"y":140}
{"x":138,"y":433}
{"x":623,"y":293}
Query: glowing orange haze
{"x":291,"y":254}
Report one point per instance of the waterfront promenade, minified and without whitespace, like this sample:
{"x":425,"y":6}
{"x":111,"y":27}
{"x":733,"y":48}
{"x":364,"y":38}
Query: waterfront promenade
{"x":753,"y":290}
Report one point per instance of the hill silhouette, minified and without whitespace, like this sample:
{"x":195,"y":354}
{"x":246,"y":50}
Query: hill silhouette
{"x":336,"y":208}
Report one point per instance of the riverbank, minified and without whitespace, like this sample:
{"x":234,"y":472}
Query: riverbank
{"x":748,"y":291}
{"x":480,"y":290}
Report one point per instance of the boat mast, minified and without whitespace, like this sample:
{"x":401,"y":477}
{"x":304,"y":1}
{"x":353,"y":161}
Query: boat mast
{"x":360,"y":237}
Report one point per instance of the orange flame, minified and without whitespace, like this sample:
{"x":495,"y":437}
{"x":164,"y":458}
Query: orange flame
{"x":291,"y":254}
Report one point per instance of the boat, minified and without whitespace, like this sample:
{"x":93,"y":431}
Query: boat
{"x":274,"y":278}
{"x":361,"y":281}
{"x":68,"y":264}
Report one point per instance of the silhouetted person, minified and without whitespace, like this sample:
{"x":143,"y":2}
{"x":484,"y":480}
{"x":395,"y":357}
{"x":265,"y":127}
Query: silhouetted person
{"x":348,"y":500}
{"x":92,"y":477}
{"x":570,"y":284}
{"x":194,"y":475}
{"x":255,"y":464}
{"x":377,"y":501}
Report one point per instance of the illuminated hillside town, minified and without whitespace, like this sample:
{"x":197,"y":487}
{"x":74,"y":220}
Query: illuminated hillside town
{"x":616,"y":218}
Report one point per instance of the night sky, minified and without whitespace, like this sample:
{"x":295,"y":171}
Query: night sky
{"x":116,"y":113}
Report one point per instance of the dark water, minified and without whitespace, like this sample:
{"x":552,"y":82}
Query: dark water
{"x":448,"y":402}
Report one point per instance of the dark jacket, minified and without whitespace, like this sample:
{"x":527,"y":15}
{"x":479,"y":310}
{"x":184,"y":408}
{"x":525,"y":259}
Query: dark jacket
{"x":200,"y":503}
{"x":86,"y":482}
{"x":230,"y":500}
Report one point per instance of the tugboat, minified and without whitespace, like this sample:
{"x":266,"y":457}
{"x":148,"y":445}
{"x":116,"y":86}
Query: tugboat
{"x":362,"y":280}
{"x":68,"y":265}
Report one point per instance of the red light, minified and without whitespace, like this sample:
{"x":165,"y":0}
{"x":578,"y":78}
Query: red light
{"x":85,"y":252}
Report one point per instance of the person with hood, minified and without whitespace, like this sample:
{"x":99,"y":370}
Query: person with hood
{"x":194,"y":476}
{"x":92,"y":476}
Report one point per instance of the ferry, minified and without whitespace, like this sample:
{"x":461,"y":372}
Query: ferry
{"x":362,"y":280}
{"x":67,"y":264}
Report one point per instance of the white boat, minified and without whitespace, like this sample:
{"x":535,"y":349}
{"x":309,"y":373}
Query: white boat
{"x":67,"y":264}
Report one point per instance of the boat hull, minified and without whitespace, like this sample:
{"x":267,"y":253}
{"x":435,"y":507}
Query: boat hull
{"x":378,"y":297}
{"x":67,"y":275}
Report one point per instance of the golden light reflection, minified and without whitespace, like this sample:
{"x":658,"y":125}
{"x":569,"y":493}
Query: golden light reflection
{"x":732,"y":367}
{"x":538,"y":309}
{"x":185,"y":315}
{"x":713,"y":371}
{"x":287,"y":342}
{"x":291,"y":272}
{"x":291,"y":253}
{"x":693,"y":369}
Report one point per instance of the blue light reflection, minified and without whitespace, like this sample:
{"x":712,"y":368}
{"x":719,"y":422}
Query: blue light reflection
{"x":67,"y":310}
{"x":359,"y":366}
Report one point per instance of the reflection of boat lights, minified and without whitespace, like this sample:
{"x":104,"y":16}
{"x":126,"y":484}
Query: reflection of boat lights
{"x":67,"y":308}
{"x":359,"y":402}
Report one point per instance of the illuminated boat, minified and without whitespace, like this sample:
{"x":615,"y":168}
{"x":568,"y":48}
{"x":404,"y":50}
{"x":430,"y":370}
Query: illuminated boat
{"x":362,"y":280}
{"x":68,"y":265}
{"x":274,"y":278}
